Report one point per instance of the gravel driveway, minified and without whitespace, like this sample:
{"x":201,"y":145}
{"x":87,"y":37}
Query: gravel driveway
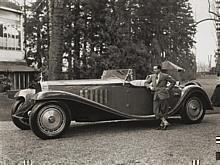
{"x":130,"y":142}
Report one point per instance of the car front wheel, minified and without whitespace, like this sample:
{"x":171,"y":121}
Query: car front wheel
{"x":49,"y":120}
{"x":193,"y":111}
{"x":23,"y":124}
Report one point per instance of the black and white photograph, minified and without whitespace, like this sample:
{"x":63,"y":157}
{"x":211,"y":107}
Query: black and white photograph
{"x":109,"y":82}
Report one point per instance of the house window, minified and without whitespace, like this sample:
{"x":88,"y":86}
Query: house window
{"x":20,"y":80}
{"x":10,"y":37}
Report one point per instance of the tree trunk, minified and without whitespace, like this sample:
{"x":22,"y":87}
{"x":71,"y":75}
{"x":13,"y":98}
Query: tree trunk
{"x":56,"y":17}
{"x":77,"y":42}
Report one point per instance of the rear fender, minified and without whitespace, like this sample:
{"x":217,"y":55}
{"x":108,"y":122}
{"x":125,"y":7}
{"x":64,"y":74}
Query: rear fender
{"x":189,"y":91}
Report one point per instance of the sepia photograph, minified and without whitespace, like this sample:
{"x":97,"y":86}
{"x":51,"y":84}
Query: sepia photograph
{"x":109,"y":82}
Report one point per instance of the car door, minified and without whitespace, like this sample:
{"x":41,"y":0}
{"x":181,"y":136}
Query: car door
{"x":140,"y":101}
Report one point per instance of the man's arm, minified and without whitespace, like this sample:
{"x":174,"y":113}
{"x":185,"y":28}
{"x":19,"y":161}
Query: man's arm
{"x":148,"y":79}
{"x":172,"y":82}
{"x":148,"y":82}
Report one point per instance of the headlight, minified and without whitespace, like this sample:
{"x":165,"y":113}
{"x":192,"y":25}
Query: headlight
{"x":25,"y":93}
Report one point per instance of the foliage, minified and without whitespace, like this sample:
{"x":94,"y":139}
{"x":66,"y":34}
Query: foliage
{"x":111,"y":34}
{"x":5,"y":83}
{"x":37,"y":35}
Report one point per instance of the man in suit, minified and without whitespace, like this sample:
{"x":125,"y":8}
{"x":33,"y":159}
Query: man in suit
{"x":158,"y":82}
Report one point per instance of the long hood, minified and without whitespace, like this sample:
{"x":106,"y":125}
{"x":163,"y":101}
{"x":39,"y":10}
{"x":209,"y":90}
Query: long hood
{"x":84,"y":82}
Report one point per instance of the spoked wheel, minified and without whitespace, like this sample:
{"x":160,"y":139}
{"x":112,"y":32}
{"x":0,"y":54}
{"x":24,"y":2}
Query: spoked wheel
{"x":23,"y":124}
{"x":49,"y":121}
{"x":193,"y":111}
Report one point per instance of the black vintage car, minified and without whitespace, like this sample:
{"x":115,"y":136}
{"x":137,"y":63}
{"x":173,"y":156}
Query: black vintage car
{"x":215,"y":98}
{"x":116,"y":96}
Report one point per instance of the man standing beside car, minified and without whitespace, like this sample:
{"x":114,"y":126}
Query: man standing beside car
{"x":158,"y":83}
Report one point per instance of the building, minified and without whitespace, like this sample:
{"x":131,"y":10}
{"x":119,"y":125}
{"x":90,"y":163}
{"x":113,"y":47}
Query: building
{"x":12,"y":63}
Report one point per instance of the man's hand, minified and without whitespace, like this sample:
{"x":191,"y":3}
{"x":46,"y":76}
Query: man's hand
{"x":150,"y":87}
{"x":148,"y":83}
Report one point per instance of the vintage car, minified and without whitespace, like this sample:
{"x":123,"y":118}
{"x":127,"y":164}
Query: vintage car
{"x":116,"y":96}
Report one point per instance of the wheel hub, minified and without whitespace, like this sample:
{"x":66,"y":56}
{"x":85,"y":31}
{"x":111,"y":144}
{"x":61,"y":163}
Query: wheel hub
{"x":51,"y":119}
{"x":194,"y":109}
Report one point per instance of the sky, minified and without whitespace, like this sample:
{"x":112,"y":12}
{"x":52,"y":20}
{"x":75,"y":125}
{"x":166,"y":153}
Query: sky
{"x":206,"y":41}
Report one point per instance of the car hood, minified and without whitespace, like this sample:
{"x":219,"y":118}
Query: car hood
{"x":83,"y":82}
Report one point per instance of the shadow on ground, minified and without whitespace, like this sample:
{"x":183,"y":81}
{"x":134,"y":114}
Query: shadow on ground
{"x":80,"y":129}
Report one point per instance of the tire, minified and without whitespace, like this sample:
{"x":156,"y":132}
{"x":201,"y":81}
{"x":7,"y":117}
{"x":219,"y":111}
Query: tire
{"x":193,"y":111}
{"x":49,"y":121}
{"x":23,"y":124}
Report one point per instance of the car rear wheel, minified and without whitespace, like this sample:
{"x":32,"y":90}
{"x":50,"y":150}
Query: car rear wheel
{"x":23,"y":124}
{"x":193,"y":111}
{"x":49,"y":120}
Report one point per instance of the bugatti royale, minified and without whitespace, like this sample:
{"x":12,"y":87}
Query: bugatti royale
{"x":116,"y":96}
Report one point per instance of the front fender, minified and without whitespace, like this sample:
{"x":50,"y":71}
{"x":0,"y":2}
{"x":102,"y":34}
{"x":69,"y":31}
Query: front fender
{"x":26,"y":97}
{"x":56,"y":95}
{"x":66,"y":96}
{"x":90,"y":108}
{"x":26,"y":94}
{"x":192,"y":90}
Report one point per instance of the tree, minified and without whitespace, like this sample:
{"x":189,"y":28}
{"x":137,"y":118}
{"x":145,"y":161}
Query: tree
{"x":56,"y":17}
{"x":94,"y":35}
{"x":170,"y":31}
{"x":37,"y":35}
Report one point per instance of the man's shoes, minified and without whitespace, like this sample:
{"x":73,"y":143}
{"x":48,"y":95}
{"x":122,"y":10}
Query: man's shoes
{"x":159,"y":128}
{"x":165,"y":126}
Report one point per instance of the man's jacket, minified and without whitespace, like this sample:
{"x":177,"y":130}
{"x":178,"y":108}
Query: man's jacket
{"x":160,"y":88}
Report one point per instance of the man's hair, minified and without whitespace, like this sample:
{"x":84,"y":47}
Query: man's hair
{"x":158,"y":67}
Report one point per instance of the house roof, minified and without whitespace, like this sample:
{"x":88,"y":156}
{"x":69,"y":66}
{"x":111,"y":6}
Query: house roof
{"x":15,"y":67}
{"x":10,"y":5}
{"x":167,"y":65}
